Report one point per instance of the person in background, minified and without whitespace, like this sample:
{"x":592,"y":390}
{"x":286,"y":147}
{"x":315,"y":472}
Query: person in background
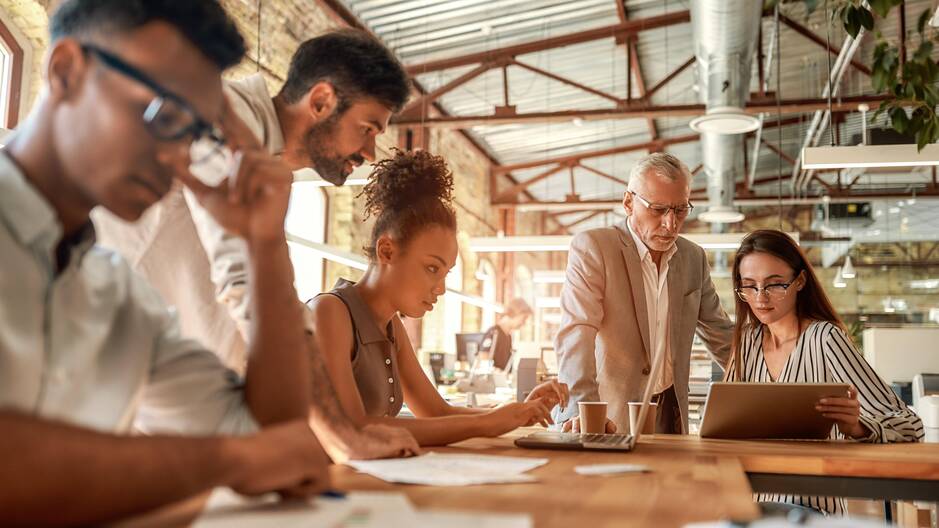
{"x":369,"y":357}
{"x":87,"y":347}
{"x":788,"y":332}
{"x":342,"y":88}
{"x":497,"y":342}
{"x":637,"y":291}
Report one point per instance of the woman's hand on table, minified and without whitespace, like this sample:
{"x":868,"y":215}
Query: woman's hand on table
{"x":511,"y":416}
{"x":551,"y":393}
{"x":846,"y":413}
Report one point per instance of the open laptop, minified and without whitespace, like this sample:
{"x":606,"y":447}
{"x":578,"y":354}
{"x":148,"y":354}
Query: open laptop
{"x":595,"y":442}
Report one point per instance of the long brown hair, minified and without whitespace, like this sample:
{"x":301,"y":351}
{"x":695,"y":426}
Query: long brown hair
{"x":812,"y":302}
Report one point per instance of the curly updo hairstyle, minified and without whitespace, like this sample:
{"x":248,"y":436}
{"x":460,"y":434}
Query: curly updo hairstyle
{"x":406,"y":193}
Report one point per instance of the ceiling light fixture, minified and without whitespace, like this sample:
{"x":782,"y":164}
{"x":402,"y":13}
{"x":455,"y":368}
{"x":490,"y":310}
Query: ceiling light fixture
{"x":725,"y":120}
{"x":839,"y":282}
{"x":863,"y":156}
{"x":358,"y":262}
{"x":515,"y":244}
{"x":847,"y":271}
{"x":721,"y":214}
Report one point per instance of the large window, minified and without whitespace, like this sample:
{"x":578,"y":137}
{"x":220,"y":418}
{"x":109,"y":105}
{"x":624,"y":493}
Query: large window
{"x":12,"y":59}
{"x":306,"y":219}
{"x":453,"y":307}
{"x":486,"y":274}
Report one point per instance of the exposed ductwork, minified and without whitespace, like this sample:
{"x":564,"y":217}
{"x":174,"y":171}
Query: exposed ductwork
{"x":726,"y":33}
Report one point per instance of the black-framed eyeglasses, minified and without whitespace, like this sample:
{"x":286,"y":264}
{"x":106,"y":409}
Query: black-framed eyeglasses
{"x":168,"y":116}
{"x":661,"y":211}
{"x":776,"y":291}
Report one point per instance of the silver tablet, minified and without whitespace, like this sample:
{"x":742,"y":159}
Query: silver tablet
{"x":768,"y":410}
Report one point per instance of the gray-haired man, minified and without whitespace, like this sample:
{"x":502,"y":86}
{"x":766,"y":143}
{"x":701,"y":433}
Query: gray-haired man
{"x":635,"y":291}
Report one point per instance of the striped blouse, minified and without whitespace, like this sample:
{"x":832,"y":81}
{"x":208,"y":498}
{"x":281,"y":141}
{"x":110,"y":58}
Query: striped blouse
{"x":824,"y":354}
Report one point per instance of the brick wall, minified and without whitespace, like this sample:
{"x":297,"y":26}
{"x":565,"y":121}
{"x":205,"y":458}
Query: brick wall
{"x":284,"y":25}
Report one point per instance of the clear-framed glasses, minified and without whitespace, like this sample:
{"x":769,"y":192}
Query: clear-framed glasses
{"x":168,"y":117}
{"x":776,"y":291}
{"x":661,"y":211}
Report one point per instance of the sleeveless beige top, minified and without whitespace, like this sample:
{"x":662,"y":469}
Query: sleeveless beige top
{"x":374,"y":358}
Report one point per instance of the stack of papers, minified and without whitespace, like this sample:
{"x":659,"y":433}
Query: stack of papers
{"x":358,"y":510}
{"x":440,"y":469}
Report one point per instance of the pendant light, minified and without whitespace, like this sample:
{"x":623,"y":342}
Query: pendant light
{"x":847,"y":271}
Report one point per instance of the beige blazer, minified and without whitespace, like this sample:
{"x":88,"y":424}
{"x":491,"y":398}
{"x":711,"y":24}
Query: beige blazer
{"x":603,"y":344}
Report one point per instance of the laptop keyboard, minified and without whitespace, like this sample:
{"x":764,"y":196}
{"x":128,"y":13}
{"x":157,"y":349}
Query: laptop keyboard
{"x":606,"y":439}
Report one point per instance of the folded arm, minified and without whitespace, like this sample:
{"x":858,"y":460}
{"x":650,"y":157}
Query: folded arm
{"x":56,"y":474}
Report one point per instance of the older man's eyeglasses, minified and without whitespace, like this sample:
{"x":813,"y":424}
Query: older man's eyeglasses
{"x":168,"y":117}
{"x":661,"y":211}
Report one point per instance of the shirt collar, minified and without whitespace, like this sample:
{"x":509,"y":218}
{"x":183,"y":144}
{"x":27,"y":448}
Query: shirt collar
{"x":641,"y":246}
{"x":30,"y":217}
{"x":257,"y":85}
{"x":368,"y":333}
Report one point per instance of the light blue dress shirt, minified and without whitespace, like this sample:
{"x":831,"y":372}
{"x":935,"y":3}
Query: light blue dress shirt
{"x":95,"y":345}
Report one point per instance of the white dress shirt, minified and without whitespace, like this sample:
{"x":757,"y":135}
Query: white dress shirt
{"x":655,"y":284}
{"x":95,"y":345}
{"x":179,"y":248}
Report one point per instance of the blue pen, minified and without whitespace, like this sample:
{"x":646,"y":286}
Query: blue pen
{"x":333,"y":494}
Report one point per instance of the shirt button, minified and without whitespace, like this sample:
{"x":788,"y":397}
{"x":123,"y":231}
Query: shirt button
{"x":387,"y":361}
{"x":645,"y":371}
{"x":391,"y":399}
{"x":391,"y":380}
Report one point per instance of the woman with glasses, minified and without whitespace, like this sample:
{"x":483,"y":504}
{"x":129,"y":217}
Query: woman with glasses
{"x":788,"y":332}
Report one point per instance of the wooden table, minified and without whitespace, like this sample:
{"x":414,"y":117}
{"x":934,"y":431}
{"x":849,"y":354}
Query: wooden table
{"x":683,"y":487}
{"x":692,"y":479}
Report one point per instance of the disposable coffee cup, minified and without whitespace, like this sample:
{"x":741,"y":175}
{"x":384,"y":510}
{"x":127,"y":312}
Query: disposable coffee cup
{"x":592,"y":417}
{"x":651,"y":415}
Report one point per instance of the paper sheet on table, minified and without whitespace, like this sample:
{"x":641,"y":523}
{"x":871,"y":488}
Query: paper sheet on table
{"x":359,"y":509}
{"x":817,"y":521}
{"x":436,"y":519}
{"x":444,"y":469}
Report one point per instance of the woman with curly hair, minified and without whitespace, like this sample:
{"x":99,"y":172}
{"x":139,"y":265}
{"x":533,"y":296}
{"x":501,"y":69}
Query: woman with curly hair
{"x":368,"y":355}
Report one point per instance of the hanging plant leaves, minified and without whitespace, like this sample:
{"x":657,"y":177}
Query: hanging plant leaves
{"x":922,"y":21}
{"x":883,"y":7}
{"x":866,"y":18}
{"x":923,"y":52}
{"x":899,"y":120}
{"x":885,"y":66}
{"x":852,"y":21}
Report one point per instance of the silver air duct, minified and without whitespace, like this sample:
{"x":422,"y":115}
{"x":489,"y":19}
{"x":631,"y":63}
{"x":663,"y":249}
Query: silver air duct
{"x":726,"y":33}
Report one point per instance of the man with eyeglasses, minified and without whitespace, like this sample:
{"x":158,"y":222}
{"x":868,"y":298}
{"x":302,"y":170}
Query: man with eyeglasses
{"x":87,"y":347}
{"x":637,"y":291}
{"x":341,"y":89}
